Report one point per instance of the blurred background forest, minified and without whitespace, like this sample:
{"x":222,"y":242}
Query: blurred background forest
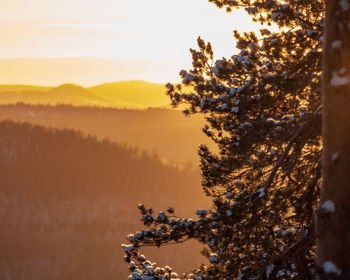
{"x":74,"y":164}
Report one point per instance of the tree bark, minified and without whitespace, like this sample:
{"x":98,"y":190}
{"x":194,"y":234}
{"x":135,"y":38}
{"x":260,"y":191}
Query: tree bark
{"x":333,"y":223}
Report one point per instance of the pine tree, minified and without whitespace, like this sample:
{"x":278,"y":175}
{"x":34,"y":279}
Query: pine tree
{"x":262,"y":108}
{"x":334,"y":213}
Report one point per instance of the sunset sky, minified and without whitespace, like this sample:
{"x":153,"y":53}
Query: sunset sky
{"x":146,"y":40}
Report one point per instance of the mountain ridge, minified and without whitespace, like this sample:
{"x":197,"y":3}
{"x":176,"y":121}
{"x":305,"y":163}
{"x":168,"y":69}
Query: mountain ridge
{"x":136,"y":94}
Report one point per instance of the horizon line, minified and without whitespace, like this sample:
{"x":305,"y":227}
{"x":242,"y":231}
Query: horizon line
{"x":76,"y":84}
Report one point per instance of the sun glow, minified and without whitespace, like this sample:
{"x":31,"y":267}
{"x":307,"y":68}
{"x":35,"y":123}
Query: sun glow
{"x":157,"y":31}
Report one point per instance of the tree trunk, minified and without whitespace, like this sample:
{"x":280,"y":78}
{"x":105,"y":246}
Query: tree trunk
{"x":333,"y":219}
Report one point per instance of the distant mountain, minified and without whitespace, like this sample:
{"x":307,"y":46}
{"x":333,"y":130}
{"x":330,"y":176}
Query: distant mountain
{"x":74,"y":94}
{"x":69,"y":89}
{"x":127,"y":94}
{"x":168,"y":132}
{"x":134,"y":92}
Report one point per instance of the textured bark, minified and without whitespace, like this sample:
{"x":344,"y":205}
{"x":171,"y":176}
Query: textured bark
{"x":333,"y":228}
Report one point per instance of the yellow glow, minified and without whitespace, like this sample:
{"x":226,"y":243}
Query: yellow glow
{"x":154,"y":30}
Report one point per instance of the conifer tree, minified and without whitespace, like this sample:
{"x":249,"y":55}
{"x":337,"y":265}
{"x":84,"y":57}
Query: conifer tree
{"x":334,"y":212}
{"x":262,"y":108}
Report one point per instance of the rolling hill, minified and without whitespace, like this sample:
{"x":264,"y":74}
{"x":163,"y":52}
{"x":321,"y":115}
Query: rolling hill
{"x":127,"y":94}
{"x":137,"y":93}
{"x":19,"y":88}
{"x":169,"y":133}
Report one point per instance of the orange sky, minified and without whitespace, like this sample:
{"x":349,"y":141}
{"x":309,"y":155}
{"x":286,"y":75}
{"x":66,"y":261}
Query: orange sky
{"x":136,"y":33}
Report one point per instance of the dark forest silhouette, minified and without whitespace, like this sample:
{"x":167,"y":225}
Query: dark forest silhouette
{"x":67,"y":200}
{"x":167,"y":132}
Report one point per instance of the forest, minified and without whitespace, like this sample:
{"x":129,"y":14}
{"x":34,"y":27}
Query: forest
{"x":168,"y":133}
{"x":67,"y":201}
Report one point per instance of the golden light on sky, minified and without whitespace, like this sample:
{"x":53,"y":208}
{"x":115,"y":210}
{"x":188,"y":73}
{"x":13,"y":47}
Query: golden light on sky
{"x":136,"y":33}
